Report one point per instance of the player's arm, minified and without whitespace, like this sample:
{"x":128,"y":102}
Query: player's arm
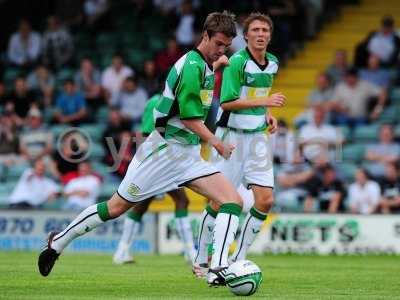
{"x":232,"y":81}
{"x":198,"y":127}
{"x":275,"y":100}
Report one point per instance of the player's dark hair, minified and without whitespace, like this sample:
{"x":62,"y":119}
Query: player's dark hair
{"x":260,"y":17}
{"x":220,"y":22}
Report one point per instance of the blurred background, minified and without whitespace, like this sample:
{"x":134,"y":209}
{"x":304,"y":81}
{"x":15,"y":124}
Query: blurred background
{"x":93,"y":64}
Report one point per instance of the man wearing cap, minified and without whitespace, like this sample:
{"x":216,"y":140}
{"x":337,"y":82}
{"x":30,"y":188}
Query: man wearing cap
{"x":36,"y":141}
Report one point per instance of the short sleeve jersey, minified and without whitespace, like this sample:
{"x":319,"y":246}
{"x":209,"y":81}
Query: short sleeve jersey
{"x":245,"y":78}
{"x":147,"y":124}
{"x":187,"y":95}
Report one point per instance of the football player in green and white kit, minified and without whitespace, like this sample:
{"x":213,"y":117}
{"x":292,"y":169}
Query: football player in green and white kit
{"x":170,"y":158}
{"x":242,"y":120}
{"x":133,"y":218}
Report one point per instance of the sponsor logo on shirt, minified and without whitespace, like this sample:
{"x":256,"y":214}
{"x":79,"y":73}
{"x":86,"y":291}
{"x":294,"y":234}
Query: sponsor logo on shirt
{"x":250,"y":79}
{"x":133,"y":189}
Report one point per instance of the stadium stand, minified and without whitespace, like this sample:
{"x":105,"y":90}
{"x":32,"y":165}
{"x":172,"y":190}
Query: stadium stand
{"x":144,"y":32}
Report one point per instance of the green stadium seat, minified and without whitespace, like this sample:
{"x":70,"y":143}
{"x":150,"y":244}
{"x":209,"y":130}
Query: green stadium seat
{"x":397,"y":131}
{"x":97,"y":151}
{"x":107,"y":190}
{"x":366,"y":133}
{"x":102,"y":114}
{"x":389,"y":115}
{"x":346,"y":132}
{"x":104,"y":40}
{"x":65,"y":73}
{"x":353,"y":153}
{"x":56,"y":130}
{"x":95,"y":131}
{"x":10,"y":74}
{"x":395,"y":95}
{"x":346,"y":170}
{"x":100,"y":168}
{"x":15,"y":172}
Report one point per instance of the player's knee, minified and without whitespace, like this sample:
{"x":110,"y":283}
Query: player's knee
{"x":264,"y":202}
{"x":117,"y":206}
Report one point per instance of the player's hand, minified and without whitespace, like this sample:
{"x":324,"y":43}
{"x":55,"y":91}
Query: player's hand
{"x":221,"y":62}
{"x":275,"y":100}
{"x":273,"y":124}
{"x":225,"y":150}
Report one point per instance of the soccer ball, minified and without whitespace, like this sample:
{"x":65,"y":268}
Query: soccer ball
{"x":243,"y":277}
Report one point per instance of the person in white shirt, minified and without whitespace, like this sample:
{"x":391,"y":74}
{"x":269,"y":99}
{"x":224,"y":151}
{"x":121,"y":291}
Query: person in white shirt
{"x":185,"y":34}
{"x":113,"y":77}
{"x":83,"y":190}
{"x":319,"y":139}
{"x":385,"y":43}
{"x":131,"y":102}
{"x":33,"y":188}
{"x":351,"y":99}
{"x":364,"y":194}
{"x":24,"y":46}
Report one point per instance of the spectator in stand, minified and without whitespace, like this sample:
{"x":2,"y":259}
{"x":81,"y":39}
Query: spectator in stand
{"x":34,"y":188}
{"x":150,"y":80}
{"x":386,"y":151}
{"x":385,"y":43}
{"x":3,"y":93}
{"x":364,"y":194}
{"x":88,"y":82}
{"x":112,"y":134}
{"x":9,"y":141}
{"x":185,"y":32}
{"x":283,"y":143}
{"x":390,"y":187}
{"x":83,"y":190}
{"x":319,"y":139}
{"x":239,"y":42}
{"x":374,"y":74}
{"x":337,"y":70}
{"x":70,"y":105}
{"x":64,"y":163}
{"x":58,"y":46}
{"x":292,"y":179}
{"x":24,"y":46}
{"x":282,"y":12}
{"x":327,"y":190}
{"x":320,"y":96}
{"x":22,"y":98}
{"x":94,"y":10}
{"x":41,"y":81}
{"x":113,"y":77}
{"x":132,"y":101}
{"x":323,"y":91}
{"x":36,"y":141}
{"x":356,"y":101}
{"x":166,"y":58}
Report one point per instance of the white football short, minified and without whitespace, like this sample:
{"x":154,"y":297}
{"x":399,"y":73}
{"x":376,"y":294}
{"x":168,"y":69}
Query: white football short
{"x":160,"y":166}
{"x":251,"y":161}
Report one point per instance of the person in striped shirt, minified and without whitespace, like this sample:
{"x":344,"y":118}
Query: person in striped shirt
{"x":170,"y":158}
{"x":242,"y":120}
{"x":133,"y":218}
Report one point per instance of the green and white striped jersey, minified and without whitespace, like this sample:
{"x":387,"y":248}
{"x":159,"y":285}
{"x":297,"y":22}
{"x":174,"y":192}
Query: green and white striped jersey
{"x":245,"y":78}
{"x":147,"y":124}
{"x":187,"y":95}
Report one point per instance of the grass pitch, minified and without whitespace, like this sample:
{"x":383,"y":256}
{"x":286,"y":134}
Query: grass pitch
{"x":88,"y":276}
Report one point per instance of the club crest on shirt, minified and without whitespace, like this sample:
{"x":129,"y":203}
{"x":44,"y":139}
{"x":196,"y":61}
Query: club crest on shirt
{"x":133,"y":189}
